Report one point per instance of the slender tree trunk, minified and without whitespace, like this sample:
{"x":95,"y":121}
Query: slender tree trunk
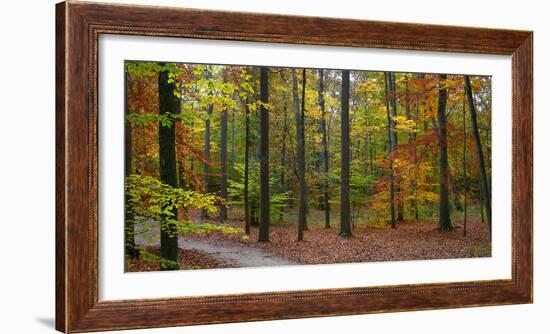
{"x":303,"y":135}
{"x":283,"y":153}
{"x":345,"y":218}
{"x":464,"y":175}
{"x":372,"y":152}
{"x":481,"y":202}
{"x":209,"y":112}
{"x":300,"y":155}
{"x":169,"y":104}
{"x":415,"y":159}
{"x":182,"y":212}
{"x":223,"y":162}
{"x":411,"y":142}
{"x":453,"y":192}
{"x":444,"y":216}
{"x":387,"y":81}
{"x":324,"y":155}
{"x":367,"y":140}
{"x":129,"y":233}
{"x":263,"y":235}
{"x":394,"y":143}
{"x":246,"y":167}
{"x":232,"y":167}
{"x":483,"y":175}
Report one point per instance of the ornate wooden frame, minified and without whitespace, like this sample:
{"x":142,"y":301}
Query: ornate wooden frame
{"x":78,"y":25}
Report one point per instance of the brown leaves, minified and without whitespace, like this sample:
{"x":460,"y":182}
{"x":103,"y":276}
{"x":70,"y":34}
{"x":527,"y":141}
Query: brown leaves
{"x":410,"y":241}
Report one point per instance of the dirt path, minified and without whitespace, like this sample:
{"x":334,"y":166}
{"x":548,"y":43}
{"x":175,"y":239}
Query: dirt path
{"x":240,"y":255}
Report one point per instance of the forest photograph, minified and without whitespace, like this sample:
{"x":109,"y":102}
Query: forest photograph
{"x":230,"y":166}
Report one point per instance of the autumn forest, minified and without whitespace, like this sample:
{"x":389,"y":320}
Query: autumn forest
{"x":246,"y":166}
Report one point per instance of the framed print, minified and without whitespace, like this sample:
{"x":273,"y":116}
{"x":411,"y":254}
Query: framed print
{"x":212,"y":169}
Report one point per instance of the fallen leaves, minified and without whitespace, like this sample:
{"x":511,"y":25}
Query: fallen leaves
{"x":188,"y":259}
{"x":409,"y":241}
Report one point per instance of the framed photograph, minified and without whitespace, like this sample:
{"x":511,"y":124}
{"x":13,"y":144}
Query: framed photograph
{"x":223,"y":166}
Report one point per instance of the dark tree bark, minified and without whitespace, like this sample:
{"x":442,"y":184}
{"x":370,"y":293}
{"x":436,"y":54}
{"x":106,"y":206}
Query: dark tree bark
{"x":169,"y":104}
{"x":444,"y":216}
{"x":300,"y":155}
{"x":263,"y":235}
{"x":209,"y":111}
{"x":464,"y":174}
{"x":246,"y":167}
{"x":345,"y":214}
{"x":387,"y":81}
{"x":324,"y":153}
{"x":479,"y":149}
{"x":223,"y":162}
{"x":129,"y":233}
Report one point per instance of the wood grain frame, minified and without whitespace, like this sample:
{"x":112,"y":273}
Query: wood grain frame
{"x":78,"y":25}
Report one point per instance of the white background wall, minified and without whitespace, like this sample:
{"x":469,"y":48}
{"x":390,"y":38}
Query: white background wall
{"x":27,"y":144}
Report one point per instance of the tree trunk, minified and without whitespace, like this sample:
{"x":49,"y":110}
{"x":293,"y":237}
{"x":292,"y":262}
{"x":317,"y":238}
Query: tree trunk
{"x":387,"y":82}
{"x":481,"y":202}
{"x":464,"y":175}
{"x":182,"y":212}
{"x":223,"y":162}
{"x":283,"y":153}
{"x":303,"y":135}
{"x":169,"y":104}
{"x":345,"y":218}
{"x":444,"y":216}
{"x":129,"y":233}
{"x":300,"y":155}
{"x":483,"y":176}
{"x":324,"y":155}
{"x":263,"y":235}
{"x":232,"y":167}
{"x":367,"y":139}
{"x":210,"y":110}
{"x":415,"y":159}
{"x":246,"y":162}
{"x":394,"y":143}
{"x":453,"y":192}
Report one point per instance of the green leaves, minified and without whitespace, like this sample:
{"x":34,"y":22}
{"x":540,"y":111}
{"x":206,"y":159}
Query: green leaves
{"x":153,"y":204}
{"x":279,"y":200}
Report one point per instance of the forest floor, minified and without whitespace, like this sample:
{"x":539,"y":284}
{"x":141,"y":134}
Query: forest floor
{"x":411,"y":240}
